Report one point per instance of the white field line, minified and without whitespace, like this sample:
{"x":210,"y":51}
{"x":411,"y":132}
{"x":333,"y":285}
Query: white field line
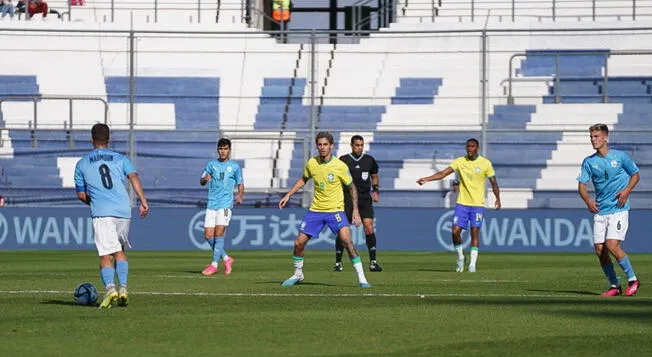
{"x":172,"y":293}
{"x":432,"y":280}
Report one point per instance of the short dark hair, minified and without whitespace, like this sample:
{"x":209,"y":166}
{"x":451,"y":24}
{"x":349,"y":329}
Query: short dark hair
{"x":356,"y":137}
{"x":324,"y":134}
{"x":599,"y":127}
{"x":100,"y":133}
{"x":224,"y":142}
{"x":473,"y":140}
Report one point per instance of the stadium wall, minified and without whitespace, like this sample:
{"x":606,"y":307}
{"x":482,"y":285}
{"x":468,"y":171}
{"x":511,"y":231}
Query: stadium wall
{"x":564,"y":230}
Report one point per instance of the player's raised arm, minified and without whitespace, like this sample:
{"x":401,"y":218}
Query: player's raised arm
{"x":436,"y":176}
{"x":297,"y":186}
{"x":204,"y":178}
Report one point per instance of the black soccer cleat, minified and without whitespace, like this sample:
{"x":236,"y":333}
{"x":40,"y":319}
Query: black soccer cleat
{"x":338,"y":267}
{"x":374,"y":266}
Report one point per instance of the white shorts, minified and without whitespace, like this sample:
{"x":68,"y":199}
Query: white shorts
{"x":217,"y":217}
{"x":111,"y":234}
{"x":610,"y":226}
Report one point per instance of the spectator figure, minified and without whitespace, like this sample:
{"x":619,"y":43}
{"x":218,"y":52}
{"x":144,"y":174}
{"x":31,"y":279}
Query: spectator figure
{"x":36,"y":7}
{"x":2,"y":201}
{"x":7,"y":8}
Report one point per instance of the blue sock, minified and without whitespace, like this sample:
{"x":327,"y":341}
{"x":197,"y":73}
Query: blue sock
{"x":122,"y":268}
{"x":107,"y":275}
{"x":610,"y":273}
{"x":211,"y":242}
{"x":219,"y":243}
{"x":218,"y":249}
{"x":626,"y":265}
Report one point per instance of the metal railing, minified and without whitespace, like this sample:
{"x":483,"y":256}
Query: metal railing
{"x":556,"y":77}
{"x":33,"y":125}
{"x":533,"y":9}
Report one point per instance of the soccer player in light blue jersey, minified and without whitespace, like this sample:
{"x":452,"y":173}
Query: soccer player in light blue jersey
{"x":222,"y":176}
{"x":101,"y":182}
{"x":613,"y":175}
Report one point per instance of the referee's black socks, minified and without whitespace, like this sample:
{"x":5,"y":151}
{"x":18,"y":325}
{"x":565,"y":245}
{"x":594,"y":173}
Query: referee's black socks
{"x":371,"y":245}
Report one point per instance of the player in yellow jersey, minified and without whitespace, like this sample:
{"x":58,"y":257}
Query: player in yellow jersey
{"x":472,"y":170}
{"x":327,"y":209}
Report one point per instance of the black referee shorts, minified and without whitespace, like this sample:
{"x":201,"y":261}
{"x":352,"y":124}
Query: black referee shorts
{"x":365,"y":207}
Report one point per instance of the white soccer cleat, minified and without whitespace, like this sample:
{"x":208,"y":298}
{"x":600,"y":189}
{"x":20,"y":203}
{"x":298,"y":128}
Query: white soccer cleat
{"x":293,"y":280}
{"x":460,"y":265}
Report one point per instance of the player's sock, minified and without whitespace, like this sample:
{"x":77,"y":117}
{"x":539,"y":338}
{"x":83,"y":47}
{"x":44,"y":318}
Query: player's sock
{"x":371,"y":245}
{"x":339,"y":250}
{"x":460,"y":252}
{"x":474,"y":256}
{"x":217,"y":250}
{"x":610,"y":273}
{"x":626,"y":265}
{"x":211,"y":242}
{"x":298,"y":265}
{"x":357,"y":265}
{"x":219,"y":244}
{"x":122,"y":268}
{"x":107,"y":274}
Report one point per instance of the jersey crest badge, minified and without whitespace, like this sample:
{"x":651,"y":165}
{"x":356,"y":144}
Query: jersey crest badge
{"x":614,"y":163}
{"x":331,"y":177}
{"x":365,"y":176}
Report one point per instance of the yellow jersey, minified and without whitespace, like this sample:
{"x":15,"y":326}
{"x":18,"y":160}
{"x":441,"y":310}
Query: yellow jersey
{"x":329,"y":178}
{"x":472,"y":174}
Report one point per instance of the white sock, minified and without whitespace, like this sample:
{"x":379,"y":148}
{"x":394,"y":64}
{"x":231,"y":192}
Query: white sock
{"x":359,"y":269}
{"x":298,"y":266}
{"x":474,"y":255}
{"x":460,"y":252}
{"x":214,"y":264}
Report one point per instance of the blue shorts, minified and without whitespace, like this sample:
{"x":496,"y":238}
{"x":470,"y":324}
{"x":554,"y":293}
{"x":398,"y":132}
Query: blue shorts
{"x":314,"y":222}
{"x":468,"y":214}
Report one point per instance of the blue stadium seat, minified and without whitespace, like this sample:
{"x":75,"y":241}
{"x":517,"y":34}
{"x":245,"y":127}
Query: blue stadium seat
{"x":195,"y":99}
{"x":417,"y":90}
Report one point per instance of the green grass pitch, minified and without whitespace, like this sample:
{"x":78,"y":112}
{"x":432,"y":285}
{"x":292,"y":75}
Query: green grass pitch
{"x":515,"y":305}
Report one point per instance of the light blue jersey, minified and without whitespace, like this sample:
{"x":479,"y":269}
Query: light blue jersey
{"x":102,"y":174}
{"x":225,"y":175}
{"x":609,"y":174}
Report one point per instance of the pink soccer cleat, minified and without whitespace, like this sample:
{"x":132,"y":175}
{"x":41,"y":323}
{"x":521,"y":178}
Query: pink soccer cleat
{"x":209,"y":270}
{"x":228,"y":265}
{"x":612,"y":291}
{"x":632,"y":288}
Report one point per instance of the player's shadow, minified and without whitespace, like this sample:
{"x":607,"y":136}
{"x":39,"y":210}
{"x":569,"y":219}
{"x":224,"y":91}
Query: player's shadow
{"x":436,"y":270}
{"x":64,"y":303}
{"x":276,"y":282}
{"x":576,"y":292}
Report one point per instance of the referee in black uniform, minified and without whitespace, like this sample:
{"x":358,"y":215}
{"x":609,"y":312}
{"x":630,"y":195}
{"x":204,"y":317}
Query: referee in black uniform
{"x":364,"y":171}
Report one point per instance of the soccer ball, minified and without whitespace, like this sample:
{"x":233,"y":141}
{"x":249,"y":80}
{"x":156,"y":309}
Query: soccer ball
{"x":85,"y":294}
